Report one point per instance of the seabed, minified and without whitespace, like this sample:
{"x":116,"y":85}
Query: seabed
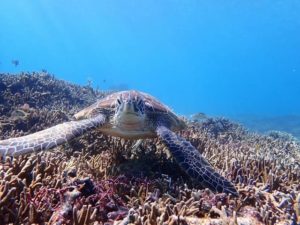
{"x":99,"y":179}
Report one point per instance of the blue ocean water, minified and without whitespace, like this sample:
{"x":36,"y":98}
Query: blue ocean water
{"x":225,"y":58}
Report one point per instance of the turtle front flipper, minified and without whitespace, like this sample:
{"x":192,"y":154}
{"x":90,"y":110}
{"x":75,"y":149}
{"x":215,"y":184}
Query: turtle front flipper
{"x":193,"y":163}
{"x":49,"y":138}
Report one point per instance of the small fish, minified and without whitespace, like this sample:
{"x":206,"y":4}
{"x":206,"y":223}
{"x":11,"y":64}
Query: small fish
{"x":15,"y":62}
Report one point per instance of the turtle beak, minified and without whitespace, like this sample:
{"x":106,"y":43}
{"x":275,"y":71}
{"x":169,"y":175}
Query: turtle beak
{"x":129,"y":108}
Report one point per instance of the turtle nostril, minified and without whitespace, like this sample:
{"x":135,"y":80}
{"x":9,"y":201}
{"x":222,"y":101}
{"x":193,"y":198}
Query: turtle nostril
{"x":128,"y":107}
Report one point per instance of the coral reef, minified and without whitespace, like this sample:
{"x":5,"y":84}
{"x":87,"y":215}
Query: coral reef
{"x":105,"y":180}
{"x":29,"y":102}
{"x":265,"y":124}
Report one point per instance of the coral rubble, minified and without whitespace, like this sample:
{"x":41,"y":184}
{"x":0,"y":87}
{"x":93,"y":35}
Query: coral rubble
{"x":106,"y":180}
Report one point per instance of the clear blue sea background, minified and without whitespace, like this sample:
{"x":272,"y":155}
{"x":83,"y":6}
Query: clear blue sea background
{"x":238,"y":59}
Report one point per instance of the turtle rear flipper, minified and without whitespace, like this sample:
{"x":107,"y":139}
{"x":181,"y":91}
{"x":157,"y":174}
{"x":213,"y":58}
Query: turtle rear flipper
{"x":193,"y":163}
{"x":49,"y":138}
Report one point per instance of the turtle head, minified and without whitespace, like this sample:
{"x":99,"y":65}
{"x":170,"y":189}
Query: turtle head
{"x":130,"y":108}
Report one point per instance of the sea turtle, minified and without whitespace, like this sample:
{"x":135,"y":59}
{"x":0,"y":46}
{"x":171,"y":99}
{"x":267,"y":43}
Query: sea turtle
{"x":130,"y":115}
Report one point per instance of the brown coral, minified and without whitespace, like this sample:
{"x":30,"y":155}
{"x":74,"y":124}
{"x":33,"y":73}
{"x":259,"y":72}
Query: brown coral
{"x":98,"y":179}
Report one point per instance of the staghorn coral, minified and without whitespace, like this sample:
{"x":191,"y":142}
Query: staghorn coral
{"x":100,"y":179}
{"x":30,"y":101}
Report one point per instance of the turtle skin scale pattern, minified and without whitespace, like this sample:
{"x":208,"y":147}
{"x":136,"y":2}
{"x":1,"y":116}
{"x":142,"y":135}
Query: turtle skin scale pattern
{"x":48,"y":138}
{"x":193,"y":163}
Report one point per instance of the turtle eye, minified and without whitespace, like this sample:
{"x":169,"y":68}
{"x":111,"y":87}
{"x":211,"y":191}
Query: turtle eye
{"x":119,"y":101}
{"x":140,"y":102}
{"x":140,"y":105}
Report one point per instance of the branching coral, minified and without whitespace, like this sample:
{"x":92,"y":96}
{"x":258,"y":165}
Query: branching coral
{"x":99,"y":179}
